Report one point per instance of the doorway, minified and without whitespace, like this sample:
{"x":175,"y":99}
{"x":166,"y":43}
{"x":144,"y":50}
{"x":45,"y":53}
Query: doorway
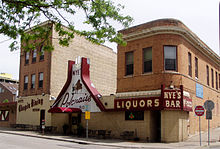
{"x":155,"y":126}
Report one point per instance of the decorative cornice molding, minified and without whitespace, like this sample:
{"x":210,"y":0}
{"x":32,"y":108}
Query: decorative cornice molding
{"x":186,"y":34}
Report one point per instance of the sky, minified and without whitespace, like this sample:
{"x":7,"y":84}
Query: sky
{"x":200,"y":16}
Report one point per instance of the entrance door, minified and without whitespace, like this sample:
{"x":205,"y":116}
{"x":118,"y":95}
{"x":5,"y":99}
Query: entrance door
{"x":42,"y":117}
{"x":155,"y":134}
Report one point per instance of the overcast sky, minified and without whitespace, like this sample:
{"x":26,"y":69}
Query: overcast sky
{"x":201,"y":16}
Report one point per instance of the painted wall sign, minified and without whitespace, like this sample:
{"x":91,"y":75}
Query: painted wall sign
{"x":76,"y":93}
{"x":138,"y":103}
{"x":4,"y":115}
{"x":187,"y":104}
{"x":33,"y":103}
{"x":199,"y":90}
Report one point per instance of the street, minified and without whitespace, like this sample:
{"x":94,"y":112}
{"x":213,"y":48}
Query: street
{"x":9,"y":141}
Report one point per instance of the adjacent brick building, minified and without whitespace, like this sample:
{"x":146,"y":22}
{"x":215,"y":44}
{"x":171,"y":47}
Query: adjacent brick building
{"x":42,"y":76}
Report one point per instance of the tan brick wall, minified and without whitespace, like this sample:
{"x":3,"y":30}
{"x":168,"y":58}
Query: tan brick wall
{"x":102,"y":64}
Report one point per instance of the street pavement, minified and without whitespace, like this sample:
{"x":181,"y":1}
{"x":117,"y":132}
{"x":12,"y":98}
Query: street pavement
{"x":191,"y":143}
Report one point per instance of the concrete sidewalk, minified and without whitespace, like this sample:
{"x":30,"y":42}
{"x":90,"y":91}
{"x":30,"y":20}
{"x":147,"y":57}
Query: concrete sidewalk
{"x":191,"y":143}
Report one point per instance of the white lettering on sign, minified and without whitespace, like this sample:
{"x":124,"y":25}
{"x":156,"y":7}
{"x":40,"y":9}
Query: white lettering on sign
{"x":136,"y":103}
{"x":34,"y":102}
{"x":77,"y":95}
{"x":172,"y":95}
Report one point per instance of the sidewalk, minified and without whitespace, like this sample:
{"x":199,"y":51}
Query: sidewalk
{"x":191,"y":143}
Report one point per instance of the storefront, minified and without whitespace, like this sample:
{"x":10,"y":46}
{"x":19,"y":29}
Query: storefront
{"x":157,"y":116}
{"x":8,"y":114}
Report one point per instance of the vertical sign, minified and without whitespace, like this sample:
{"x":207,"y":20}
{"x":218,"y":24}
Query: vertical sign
{"x":199,"y":90}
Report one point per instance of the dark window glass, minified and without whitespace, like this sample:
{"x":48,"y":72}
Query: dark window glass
{"x":41,"y":78}
{"x":25,"y":82}
{"x":26,"y":57}
{"x":170,"y":58}
{"x":41,"y":53}
{"x":33,"y":81}
{"x":207,"y":74}
{"x":34,"y":56}
{"x":196,"y":68}
{"x":134,"y":115}
{"x":129,"y":61}
{"x":216,"y":80}
{"x":212,"y":72}
{"x":147,"y":59}
{"x":189,"y":64}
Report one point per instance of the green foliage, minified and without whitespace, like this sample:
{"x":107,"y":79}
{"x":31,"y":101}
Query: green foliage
{"x":5,"y":101}
{"x":17,"y":16}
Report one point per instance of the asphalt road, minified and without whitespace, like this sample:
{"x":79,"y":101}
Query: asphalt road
{"x":9,"y":141}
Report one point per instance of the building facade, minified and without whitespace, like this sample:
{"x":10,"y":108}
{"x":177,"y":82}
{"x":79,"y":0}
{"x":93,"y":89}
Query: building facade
{"x":42,"y":75}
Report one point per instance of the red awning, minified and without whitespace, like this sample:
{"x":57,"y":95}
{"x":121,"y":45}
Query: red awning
{"x":64,"y":110}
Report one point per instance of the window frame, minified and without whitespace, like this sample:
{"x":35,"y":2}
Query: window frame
{"x":216,"y":80}
{"x":25,"y":83}
{"x":143,"y":53}
{"x":40,"y":82}
{"x":34,"y":55}
{"x":212,"y":77}
{"x":127,"y":65}
{"x":41,"y":53}
{"x":207,"y":75}
{"x":27,"y":57}
{"x":33,"y":84}
{"x":176,"y":60}
{"x":189,"y":64}
{"x":196,"y":68}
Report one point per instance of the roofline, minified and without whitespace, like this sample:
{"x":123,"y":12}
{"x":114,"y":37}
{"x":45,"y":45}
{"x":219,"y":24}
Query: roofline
{"x":135,"y":33}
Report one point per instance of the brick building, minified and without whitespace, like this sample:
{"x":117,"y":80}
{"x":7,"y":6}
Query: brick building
{"x":8,"y":96}
{"x":43,"y":75}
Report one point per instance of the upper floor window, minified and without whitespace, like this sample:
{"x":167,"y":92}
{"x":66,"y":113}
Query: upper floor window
{"x":27,"y":57}
{"x":207,"y":74}
{"x":129,"y":62}
{"x":216,"y":80}
{"x":25,"y":82}
{"x":147,"y":59}
{"x":33,"y":81}
{"x":41,"y":78}
{"x":2,"y":90}
{"x":189,"y":64}
{"x":212,"y":73}
{"x":170,"y":58}
{"x":41,"y":53}
{"x":34,"y":55}
{"x":196,"y":68}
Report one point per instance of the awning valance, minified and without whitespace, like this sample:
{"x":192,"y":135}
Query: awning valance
{"x":64,"y":110}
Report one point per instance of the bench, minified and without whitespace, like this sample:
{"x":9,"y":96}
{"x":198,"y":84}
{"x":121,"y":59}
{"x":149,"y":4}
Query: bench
{"x":127,"y":135}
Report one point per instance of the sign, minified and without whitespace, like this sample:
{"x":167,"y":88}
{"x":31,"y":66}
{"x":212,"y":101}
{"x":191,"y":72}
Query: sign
{"x":172,"y":99}
{"x":208,"y":115}
{"x":87,"y":115}
{"x":138,"y":103}
{"x":199,"y":90}
{"x":4,"y":115}
{"x":199,"y":110}
{"x":77,"y":95}
{"x":209,"y":105}
{"x":187,"y":104}
{"x":33,"y":103}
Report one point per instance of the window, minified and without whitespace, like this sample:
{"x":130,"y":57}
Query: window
{"x":25,"y":82}
{"x":41,"y":53}
{"x":219,"y":81}
{"x":189,"y":64}
{"x":212,"y":73}
{"x":41,"y":78}
{"x":129,"y":61}
{"x":34,"y":56}
{"x":33,"y":81}
{"x":207,"y":74}
{"x":1,"y":90}
{"x":147,"y":57}
{"x":26,"y":57}
{"x":196,"y":68}
{"x":216,"y":80}
{"x":134,"y":115}
{"x":170,"y":58}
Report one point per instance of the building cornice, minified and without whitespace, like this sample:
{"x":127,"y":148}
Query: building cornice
{"x":186,"y":34}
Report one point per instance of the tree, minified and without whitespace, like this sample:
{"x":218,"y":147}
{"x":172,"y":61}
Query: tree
{"x":19,"y":15}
